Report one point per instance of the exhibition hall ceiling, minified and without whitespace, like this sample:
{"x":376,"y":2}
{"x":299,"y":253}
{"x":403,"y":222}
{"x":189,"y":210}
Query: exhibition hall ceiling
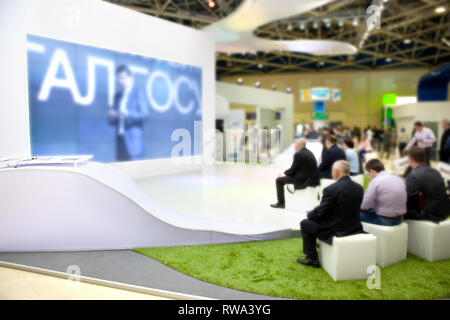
{"x":314,"y":35}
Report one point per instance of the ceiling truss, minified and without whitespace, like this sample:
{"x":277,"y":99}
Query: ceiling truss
{"x":411,"y":34}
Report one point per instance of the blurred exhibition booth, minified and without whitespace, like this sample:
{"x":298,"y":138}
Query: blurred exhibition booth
{"x":144,"y":124}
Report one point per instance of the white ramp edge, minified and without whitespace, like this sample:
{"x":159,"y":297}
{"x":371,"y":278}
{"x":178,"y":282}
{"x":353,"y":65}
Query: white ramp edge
{"x":99,"y":207}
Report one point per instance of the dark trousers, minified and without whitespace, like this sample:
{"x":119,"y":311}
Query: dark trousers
{"x":428,"y":154}
{"x":281,"y":182}
{"x":122,"y":149}
{"x":387,"y":150}
{"x":309,"y":231}
{"x":401,"y":147}
{"x":370,"y":216}
{"x":325,"y":175}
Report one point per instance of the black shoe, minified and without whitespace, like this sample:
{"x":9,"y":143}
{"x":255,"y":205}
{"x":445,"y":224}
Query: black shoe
{"x":309,"y":262}
{"x":278,"y":205}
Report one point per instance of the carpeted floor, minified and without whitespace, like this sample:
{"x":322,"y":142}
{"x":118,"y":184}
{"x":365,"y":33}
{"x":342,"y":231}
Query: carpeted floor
{"x":270,"y":268}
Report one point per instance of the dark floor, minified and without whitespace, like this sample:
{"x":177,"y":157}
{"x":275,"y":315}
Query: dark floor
{"x":127,"y":267}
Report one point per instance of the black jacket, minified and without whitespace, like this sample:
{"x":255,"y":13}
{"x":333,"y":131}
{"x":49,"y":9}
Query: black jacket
{"x":304,"y":170}
{"x":339,"y":210}
{"x":329,"y":157}
{"x":444,"y":155}
{"x":436,"y":204}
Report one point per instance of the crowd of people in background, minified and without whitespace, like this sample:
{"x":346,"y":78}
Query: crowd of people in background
{"x":384,"y":141}
{"x":389,"y":199}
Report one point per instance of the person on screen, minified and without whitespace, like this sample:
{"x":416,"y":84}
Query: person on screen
{"x":302,"y":174}
{"x":128,"y":114}
{"x":336,"y":215}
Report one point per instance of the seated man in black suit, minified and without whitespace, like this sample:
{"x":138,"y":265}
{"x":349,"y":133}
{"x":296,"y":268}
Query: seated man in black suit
{"x":302,"y":174}
{"x":425,"y":187}
{"x":337,"y":214}
{"x":332,"y":154}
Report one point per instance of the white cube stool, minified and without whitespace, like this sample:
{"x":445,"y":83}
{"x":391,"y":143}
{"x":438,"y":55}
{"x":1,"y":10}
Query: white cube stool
{"x":349,"y":257}
{"x":359,"y":179}
{"x":325,"y":183}
{"x":392,"y":242}
{"x":302,"y":200}
{"x":429,"y":240}
{"x":370,"y":155}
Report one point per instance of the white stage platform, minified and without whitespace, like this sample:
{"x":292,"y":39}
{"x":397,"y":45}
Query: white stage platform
{"x":97,"y":206}
{"x":235,"y":193}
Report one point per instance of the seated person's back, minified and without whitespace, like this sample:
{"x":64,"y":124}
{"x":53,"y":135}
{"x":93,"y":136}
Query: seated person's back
{"x":339,"y":209}
{"x":302,"y":173}
{"x":352,"y":156}
{"x":332,"y":154}
{"x":427,"y":197}
{"x":337,"y":214}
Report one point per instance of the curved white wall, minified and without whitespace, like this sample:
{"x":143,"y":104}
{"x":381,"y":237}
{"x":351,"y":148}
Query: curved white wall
{"x":98,"y":207}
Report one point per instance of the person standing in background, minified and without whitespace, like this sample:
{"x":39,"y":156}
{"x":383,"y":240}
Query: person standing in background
{"x":403,"y":139}
{"x":365,"y":147}
{"x":311,"y":134}
{"x":369,"y":134}
{"x":356,"y":133}
{"x":393,"y":139}
{"x":377,"y":138}
{"x":443,"y":153}
{"x":387,"y":139}
{"x":424,"y":137}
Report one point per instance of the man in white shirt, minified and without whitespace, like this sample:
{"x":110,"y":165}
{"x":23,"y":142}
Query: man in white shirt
{"x":424,"y":137}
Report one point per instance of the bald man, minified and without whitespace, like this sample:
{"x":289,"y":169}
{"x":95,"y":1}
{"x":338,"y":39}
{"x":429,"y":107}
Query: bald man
{"x":337,"y":215}
{"x":302,"y":174}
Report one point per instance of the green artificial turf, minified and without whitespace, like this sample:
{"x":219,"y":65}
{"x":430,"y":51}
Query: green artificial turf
{"x":270,"y":268}
{"x":366,"y":182}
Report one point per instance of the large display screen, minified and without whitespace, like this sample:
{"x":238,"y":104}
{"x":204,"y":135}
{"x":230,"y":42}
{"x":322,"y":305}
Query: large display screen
{"x":115,"y":106}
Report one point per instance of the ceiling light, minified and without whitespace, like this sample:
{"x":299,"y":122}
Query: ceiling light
{"x":302,"y":26}
{"x":321,"y":63}
{"x":211,"y":4}
{"x":388,"y":60}
{"x":260,"y":66}
{"x":355,"y":21}
{"x":289,"y":27}
{"x":240,"y":80}
{"x":258,"y":84}
{"x":440,"y":10}
{"x":445,"y":41}
{"x":315,"y":25}
{"x":341,"y":23}
{"x":407,"y":41}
